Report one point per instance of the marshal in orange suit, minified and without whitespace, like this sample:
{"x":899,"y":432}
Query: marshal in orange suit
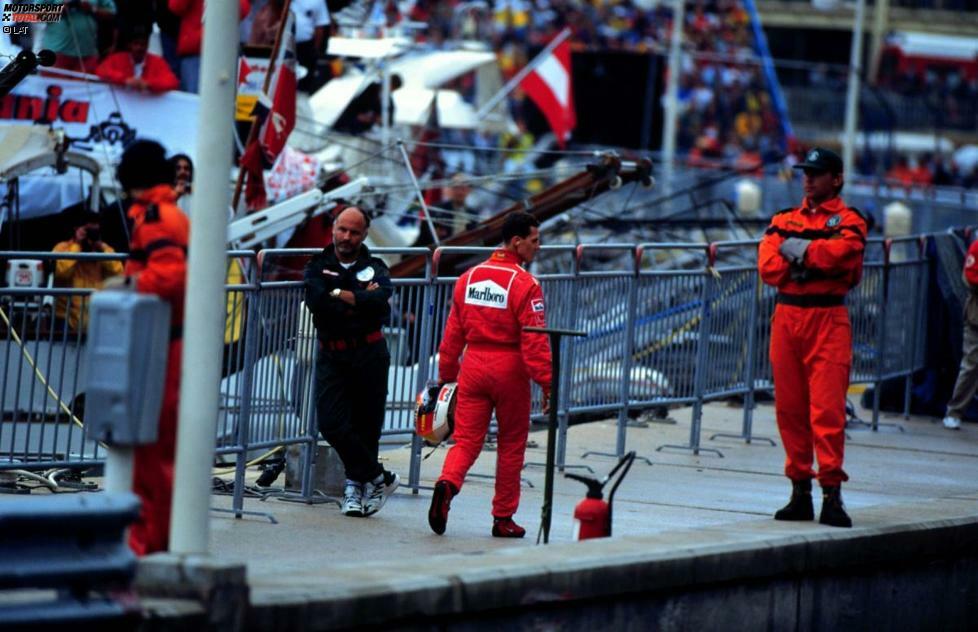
{"x":813,"y":254}
{"x":157,"y":265}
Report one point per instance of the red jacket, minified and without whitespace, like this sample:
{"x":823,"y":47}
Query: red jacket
{"x":491,"y":304}
{"x":834,"y":259}
{"x":118,"y":67}
{"x":971,"y":265}
{"x":158,"y":248}
{"x":191,"y":13}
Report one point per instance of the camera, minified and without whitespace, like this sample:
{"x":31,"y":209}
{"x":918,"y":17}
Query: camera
{"x":93,"y":233}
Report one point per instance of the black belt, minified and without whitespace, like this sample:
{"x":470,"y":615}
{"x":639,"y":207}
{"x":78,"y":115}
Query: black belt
{"x":343,"y":344}
{"x":812,"y":300}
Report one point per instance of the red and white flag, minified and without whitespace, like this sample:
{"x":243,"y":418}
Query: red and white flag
{"x":276,"y":115}
{"x":549,"y":85}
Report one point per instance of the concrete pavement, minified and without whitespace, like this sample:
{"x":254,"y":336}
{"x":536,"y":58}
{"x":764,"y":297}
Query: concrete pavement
{"x":679,"y":491}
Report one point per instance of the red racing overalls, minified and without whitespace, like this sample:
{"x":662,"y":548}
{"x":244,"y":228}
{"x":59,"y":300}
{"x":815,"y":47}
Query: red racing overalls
{"x":158,"y":264}
{"x":491,"y":304}
{"x":811,"y":339}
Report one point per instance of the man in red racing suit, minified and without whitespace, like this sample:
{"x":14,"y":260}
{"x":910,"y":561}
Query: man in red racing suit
{"x":157,"y":265}
{"x":492,"y":303}
{"x":813,"y":254}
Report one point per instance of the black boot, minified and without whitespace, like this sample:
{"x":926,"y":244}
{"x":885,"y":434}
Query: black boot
{"x":833,"y":511}
{"x":800,"y":506}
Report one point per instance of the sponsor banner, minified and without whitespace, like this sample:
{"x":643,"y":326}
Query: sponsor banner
{"x":99,"y":120}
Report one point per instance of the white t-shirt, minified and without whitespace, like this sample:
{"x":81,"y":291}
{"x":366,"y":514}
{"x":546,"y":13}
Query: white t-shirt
{"x":308,"y":15}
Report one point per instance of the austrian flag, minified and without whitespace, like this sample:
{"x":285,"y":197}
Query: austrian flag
{"x":549,"y":85}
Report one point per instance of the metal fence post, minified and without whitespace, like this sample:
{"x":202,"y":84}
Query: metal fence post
{"x":920,"y":269}
{"x":750,"y":368}
{"x":626,"y":363}
{"x":624,"y":392}
{"x":428,"y":322}
{"x":702,"y":352}
{"x":567,"y":384}
{"x":244,"y":397}
{"x":881,"y":338}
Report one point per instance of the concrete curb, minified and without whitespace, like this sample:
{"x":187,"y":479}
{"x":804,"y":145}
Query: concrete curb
{"x":193,"y":589}
{"x":664,"y":565}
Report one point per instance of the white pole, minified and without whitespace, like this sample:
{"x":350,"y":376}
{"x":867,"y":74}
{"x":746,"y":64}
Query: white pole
{"x":515,"y":81}
{"x":118,"y":469}
{"x":671,"y":124}
{"x":881,"y":16}
{"x":852,"y":95}
{"x":205,"y":308}
{"x":385,"y":110}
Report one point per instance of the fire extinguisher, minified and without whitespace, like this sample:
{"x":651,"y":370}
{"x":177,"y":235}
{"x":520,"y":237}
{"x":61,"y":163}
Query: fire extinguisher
{"x":592,"y":516}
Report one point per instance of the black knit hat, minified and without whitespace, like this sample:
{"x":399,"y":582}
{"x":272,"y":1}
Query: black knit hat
{"x":144,"y":165}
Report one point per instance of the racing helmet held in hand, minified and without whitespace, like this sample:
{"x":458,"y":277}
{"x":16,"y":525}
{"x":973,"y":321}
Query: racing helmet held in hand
{"x":434,"y":420}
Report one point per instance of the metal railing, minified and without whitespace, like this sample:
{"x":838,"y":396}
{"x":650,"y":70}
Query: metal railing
{"x":669,"y":324}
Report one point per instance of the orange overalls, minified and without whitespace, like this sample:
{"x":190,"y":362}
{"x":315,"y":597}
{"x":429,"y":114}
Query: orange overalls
{"x":158,"y":263}
{"x":811,"y":339}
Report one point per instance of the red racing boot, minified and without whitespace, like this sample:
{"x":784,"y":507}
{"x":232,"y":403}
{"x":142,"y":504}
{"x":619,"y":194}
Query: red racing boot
{"x":506,"y":528}
{"x":441,"y":502}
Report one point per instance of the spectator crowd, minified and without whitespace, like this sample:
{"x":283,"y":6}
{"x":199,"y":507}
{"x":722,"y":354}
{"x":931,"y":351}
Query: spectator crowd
{"x":727,"y":112}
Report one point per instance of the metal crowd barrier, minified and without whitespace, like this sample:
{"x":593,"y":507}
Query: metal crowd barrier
{"x":668,"y":324}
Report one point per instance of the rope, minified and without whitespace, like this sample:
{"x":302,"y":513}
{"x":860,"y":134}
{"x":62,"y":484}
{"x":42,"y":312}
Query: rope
{"x":37,"y":372}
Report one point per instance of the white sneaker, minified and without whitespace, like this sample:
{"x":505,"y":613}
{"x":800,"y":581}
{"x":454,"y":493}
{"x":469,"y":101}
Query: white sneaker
{"x":952,"y":423}
{"x":353,"y":499}
{"x":376,"y":492}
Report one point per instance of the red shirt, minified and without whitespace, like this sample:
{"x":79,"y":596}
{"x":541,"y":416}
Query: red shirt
{"x":971,"y":265}
{"x":158,"y":248}
{"x":118,"y":67}
{"x":191,"y":13}
{"x":834,"y":257}
{"x":491,"y":304}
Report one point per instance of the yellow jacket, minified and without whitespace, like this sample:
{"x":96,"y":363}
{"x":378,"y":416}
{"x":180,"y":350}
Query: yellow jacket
{"x":79,"y":274}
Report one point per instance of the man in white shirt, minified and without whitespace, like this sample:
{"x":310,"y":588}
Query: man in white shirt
{"x":311,"y":21}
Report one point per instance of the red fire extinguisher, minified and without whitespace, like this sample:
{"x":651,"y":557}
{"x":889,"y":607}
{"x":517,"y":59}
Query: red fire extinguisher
{"x":592,"y":516}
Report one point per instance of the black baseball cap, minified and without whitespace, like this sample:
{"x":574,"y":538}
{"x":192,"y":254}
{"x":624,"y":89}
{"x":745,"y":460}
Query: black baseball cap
{"x":821,"y":159}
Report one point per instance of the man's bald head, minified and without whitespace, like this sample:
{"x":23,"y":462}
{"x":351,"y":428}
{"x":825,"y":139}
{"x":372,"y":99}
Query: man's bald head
{"x":349,"y":231}
{"x":357,"y":212}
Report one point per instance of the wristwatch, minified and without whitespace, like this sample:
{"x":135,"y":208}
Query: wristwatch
{"x":335,"y":293}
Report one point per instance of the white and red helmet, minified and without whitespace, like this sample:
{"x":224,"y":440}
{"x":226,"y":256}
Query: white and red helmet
{"x":434,"y":420}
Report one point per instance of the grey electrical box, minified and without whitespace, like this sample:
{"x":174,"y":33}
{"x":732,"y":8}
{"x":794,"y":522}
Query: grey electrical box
{"x":128,"y":337}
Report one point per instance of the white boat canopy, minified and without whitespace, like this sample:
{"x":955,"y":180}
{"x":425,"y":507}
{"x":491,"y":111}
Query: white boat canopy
{"x":412,"y":106}
{"x":25,"y":148}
